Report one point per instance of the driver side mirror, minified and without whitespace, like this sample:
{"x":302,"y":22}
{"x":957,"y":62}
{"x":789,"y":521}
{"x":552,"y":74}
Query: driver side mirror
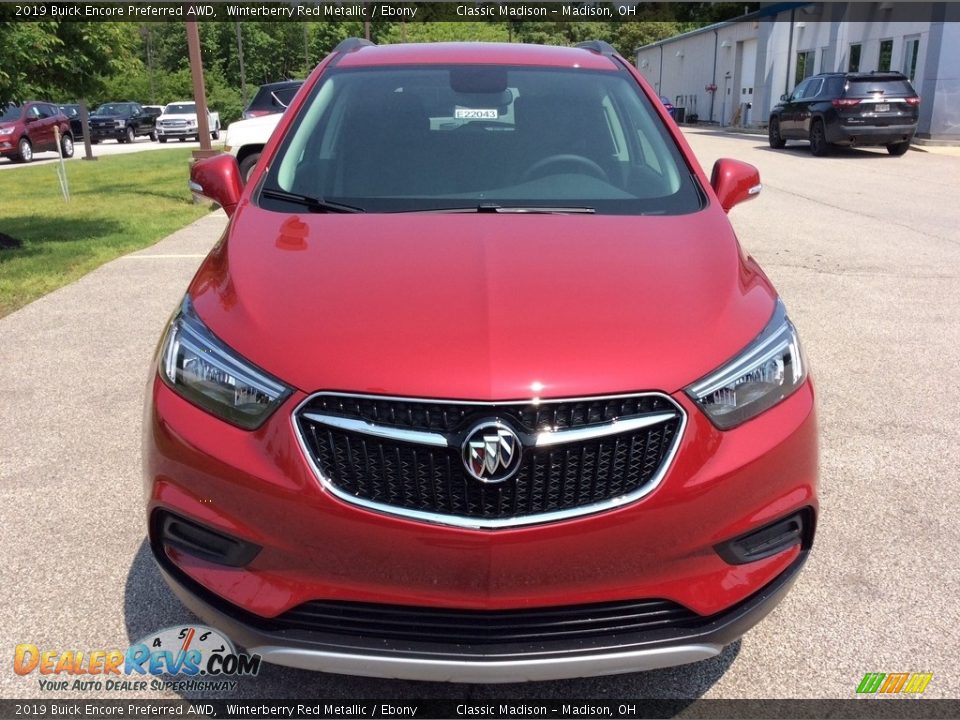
{"x":734,"y":182}
{"x":784,"y":98}
{"x":218,"y":178}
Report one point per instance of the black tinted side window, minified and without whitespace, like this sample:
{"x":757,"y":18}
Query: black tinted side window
{"x":834,"y":87}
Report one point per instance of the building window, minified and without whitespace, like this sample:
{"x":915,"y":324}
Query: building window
{"x":886,"y":54}
{"x":854,"y":65}
{"x":804,"y":66}
{"x":911,"y":50}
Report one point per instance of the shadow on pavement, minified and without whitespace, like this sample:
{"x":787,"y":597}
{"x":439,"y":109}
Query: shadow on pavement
{"x":802,"y":150}
{"x":150,"y":606}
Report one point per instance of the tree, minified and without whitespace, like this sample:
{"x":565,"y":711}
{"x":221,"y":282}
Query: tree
{"x":60,"y":60}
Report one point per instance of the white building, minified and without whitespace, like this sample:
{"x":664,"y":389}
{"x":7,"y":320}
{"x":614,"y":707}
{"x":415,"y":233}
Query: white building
{"x":735,"y":72}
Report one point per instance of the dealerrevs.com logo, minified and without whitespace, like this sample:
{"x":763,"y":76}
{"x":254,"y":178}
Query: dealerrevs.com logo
{"x":202,"y":658}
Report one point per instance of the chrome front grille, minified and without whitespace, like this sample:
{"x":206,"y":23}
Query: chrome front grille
{"x":406,"y":456}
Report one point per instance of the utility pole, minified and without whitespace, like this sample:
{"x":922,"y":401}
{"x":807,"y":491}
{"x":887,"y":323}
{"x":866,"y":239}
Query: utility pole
{"x":243,"y":73}
{"x":306,"y":49}
{"x":199,"y":91}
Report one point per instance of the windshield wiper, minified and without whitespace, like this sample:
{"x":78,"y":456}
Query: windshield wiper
{"x":507,"y":209}
{"x":314,"y":204}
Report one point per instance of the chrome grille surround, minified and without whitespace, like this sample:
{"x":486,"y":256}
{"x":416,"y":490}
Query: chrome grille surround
{"x":531,"y":441}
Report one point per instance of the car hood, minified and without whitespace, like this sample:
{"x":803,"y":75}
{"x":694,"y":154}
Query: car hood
{"x":178,"y":116}
{"x":482,"y":306}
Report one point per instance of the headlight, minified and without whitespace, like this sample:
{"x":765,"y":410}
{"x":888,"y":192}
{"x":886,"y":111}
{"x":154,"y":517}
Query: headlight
{"x":766,"y":372}
{"x":206,"y":372}
{"x":191,"y":122}
{"x":118,"y":123}
{"x":6,"y":131}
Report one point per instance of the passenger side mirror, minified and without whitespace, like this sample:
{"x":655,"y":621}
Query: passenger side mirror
{"x":218,"y":179}
{"x":784,"y":98}
{"x":734,"y":182}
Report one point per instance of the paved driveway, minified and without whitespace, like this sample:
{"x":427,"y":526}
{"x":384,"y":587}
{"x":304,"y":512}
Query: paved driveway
{"x":101,"y":149}
{"x":865,"y":251}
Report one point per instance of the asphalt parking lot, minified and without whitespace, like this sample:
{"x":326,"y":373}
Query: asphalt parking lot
{"x":103,"y":148}
{"x":865,"y":251}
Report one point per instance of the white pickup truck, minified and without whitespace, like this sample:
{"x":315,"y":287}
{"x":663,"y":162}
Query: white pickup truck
{"x":179,"y":120}
{"x":246,"y":138}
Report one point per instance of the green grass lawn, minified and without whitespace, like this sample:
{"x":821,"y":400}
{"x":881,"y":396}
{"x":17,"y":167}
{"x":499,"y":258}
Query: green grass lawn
{"x":118,"y":204}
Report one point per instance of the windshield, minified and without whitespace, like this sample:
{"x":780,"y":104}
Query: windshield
{"x":442,"y":137}
{"x":10,"y":113}
{"x":70,"y":110}
{"x":112,"y":109}
{"x":180,"y":109}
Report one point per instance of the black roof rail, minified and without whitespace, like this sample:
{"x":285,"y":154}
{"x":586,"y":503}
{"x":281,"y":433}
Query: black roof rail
{"x":601,"y":47}
{"x":351,"y":44}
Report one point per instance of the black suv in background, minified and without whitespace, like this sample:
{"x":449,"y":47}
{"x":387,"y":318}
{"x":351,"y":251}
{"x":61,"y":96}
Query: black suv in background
{"x":272,"y":98}
{"x":121,"y":121}
{"x":878,"y":108}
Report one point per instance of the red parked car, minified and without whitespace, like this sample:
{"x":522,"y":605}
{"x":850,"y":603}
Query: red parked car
{"x":478,"y":384}
{"x":29,"y":128}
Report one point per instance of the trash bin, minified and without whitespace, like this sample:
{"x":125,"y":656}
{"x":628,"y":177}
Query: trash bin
{"x":679,"y":114}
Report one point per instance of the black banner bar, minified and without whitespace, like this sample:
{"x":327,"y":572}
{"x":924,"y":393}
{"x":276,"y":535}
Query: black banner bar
{"x":449,"y":11}
{"x":853,"y":709}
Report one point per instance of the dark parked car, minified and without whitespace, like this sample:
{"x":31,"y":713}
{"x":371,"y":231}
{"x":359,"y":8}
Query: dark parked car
{"x":878,"y":108}
{"x":478,"y":384}
{"x":72,"y":112}
{"x":272,"y":98}
{"x":153,"y":111}
{"x":29,"y":128}
{"x":121,"y":121}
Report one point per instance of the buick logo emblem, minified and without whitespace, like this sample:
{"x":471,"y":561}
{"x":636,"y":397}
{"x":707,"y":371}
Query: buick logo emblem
{"x":491,"y":452}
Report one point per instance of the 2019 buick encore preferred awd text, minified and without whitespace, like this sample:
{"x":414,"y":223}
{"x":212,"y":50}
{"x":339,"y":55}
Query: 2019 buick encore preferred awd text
{"x":478,"y":384}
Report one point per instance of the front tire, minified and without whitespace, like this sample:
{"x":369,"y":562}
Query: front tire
{"x":24,"y":151}
{"x":131,"y":135}
{"x":818,"y":139}
{"x":66,"y":146}
{"x":153,"y":136}
{"x":183,"y":139}
{"x":163,"y":139}
{"x":773,"y":134}
{"x":898,"y":149}
{"x":247,"y":165}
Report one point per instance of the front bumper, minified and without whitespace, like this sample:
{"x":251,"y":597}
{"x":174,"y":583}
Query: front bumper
{"x":177,"y":132}
{"x":107,"y":133}
{"x":258,"y":487}
{"x":481,"y":664}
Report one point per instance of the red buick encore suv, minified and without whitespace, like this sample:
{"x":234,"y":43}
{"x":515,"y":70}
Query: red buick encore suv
{"x":478,"y":385}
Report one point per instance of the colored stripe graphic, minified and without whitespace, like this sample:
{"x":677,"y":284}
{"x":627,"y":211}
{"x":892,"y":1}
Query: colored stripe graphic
{"x":918,"y":682}
{"x":893,"y":683}
{"x":870,"y":683}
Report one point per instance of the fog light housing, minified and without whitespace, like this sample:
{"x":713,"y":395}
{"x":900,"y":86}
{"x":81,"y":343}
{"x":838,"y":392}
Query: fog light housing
{"x":795,"y":529}
{"x":194,"y":539}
